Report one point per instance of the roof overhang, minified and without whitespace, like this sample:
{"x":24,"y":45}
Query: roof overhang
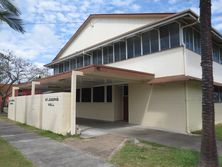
{"x":93,"y":75}
{"x":177,"y":78}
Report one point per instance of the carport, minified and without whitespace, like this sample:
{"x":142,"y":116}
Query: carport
{"x":87,"y":77}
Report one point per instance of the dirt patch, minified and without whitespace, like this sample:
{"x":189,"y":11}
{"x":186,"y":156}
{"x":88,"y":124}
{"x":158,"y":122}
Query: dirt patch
{"x":102,"y":146}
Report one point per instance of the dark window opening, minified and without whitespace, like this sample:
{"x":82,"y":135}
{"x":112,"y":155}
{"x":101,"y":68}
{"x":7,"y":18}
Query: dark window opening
{"x":73,"y":64}
{"x":109,"y":93}
{"x":98,"y":94}
{"x":60,"y":67}
{"x":86,"y":95}
{"x":77,"y":95}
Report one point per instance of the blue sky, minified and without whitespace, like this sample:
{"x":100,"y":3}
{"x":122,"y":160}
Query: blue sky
{"x":50,"y":23}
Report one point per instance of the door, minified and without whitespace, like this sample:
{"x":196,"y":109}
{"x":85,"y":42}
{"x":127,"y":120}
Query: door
{"x":125,"y":104}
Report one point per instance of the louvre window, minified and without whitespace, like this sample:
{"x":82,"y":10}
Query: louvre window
{"x":217,"y":94}
{"x":146,"y":42}
{"x":220,"y":56}
{"x":216,"y":53}
{"x":79,"y":61}
{"x":98,"y":94}
{"x":60,"y":67}
{"x":97,"y":57}
{"x":109,"y":93}
{"x":134,"y":47}
{"x":188,"y":37}
{"x":56,"y":69}
{"x":86,"y":60}
{"x":77,"y":95}
{"x":108,"y":54}
{"x":164,"y":37}
{"x":197,"y":48}
{"x":73,"y":64}
{"x":66,"y":66}
{"x":120,"y":51}
{"x":174,"y":35}
{"x":86,"y":95}
{"x":154,"y":41}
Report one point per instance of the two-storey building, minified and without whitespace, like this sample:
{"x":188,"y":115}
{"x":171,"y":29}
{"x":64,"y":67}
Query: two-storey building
{"x":140,"y":68}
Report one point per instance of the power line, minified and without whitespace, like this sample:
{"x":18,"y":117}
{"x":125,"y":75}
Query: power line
{"x":30,"y":23}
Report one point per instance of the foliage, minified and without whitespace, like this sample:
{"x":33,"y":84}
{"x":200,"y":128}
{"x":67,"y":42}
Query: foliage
{"x":11,"y":15}
{"x":14,"y":70}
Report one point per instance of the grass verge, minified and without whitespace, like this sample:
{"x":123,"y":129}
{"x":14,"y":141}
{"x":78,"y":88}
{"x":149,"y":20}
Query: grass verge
{"x":218,"y":131}
{"x":49,"y":134}
{"x":154,"y":155}
{"x":11,"y":157}
{"x":41,"y":132}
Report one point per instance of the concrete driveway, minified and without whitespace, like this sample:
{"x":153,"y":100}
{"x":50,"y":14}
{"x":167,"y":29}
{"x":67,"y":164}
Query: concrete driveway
{"x":170,"y":139}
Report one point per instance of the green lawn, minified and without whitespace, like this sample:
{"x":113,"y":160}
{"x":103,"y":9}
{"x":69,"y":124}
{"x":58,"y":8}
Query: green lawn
{"x":148,"y":154}
{"x":10,"y":157}
{"x":218,"y":131}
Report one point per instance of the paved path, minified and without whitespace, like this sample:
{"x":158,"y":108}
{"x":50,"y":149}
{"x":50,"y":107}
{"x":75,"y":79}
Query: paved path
{"x":44,"y":152}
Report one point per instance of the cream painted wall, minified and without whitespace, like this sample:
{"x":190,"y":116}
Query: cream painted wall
{"x":101,"y":29}
{"x":194,"y":69}
{"x":107,"y":111}
{"x":194,"y":100}
{"x":165,"y":63}
{"x":34,"y":110}
{"x":56,"y":114}
{"x":158,"y":106}
{"x":11,"y":108}
{"x":21,"y":109}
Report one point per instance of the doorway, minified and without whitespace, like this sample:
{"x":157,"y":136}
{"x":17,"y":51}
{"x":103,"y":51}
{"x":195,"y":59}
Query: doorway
{"x":125,"y":104}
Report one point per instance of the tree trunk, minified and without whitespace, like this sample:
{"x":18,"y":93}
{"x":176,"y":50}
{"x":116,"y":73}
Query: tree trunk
{"x":3,"y":104}
{"x":208,"y":156}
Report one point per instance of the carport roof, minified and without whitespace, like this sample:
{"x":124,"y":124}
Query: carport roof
{"x":100,"y":71}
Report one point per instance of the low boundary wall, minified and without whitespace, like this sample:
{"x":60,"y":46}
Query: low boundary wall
{"x":47,"y":111}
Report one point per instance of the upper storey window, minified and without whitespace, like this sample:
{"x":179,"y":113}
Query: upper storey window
{"x":216,"y":53}
{"x":108,"y":54}
{"x":188,"y":37}
{"x":60,"y":67}
{"x":79,"y":61}
{"x":169,"y":36}
{"x":120,"y":51}
{"x":97,"y":57}
{"x":87,"y":60}
{"x":66,"y":66}
{"x":134,"y":46}
{"x":73,"y":64}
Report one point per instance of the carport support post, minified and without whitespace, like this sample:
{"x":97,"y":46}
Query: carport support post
{"x":33,"y":87}
{"x":13,"y":96}
{"x":73,"y":100}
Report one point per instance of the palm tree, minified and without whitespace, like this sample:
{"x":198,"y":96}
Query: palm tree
{"x":10,"y":15}
{"x":208,"y":155}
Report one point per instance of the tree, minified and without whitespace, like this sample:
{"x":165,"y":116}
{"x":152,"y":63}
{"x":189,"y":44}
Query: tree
{"x":208,"y":155}
{"x":10,"y":15}
{"x":14,"y":70}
